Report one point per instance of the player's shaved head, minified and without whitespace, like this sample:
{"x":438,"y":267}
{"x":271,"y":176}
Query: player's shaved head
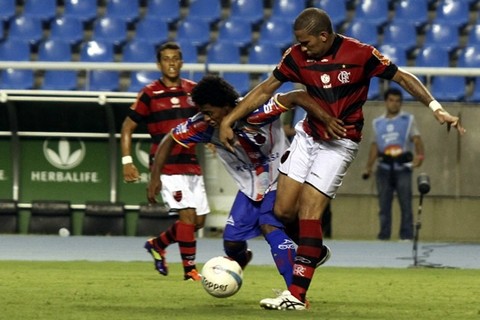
{"x":313,"y":21}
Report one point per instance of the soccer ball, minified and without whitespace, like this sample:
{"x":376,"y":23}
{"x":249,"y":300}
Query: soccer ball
{"x":222,"y":277}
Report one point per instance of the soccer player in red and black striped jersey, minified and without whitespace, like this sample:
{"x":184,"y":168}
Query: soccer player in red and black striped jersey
{"x":162,"y":105}
{"x":336,"y":71}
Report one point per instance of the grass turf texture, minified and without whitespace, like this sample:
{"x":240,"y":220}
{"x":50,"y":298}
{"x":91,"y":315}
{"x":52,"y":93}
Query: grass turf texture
{"x":133,"y":290}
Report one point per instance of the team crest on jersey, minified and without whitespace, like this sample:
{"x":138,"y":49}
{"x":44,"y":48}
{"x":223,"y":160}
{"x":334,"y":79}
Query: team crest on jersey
{"x":344,"y":77}
{"x":177,"y":195}
{"x":383,"y":59}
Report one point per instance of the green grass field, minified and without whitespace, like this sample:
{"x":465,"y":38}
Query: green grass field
{"x":133,"y":290}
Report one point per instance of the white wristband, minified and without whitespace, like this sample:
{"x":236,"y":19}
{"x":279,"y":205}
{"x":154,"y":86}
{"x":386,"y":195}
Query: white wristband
{"x":434,"y":105}
{"x":127,"y":160}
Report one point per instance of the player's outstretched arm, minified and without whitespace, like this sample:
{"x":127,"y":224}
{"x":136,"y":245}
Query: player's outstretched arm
{"x":416,"y":88}
{"x":155,"y":185}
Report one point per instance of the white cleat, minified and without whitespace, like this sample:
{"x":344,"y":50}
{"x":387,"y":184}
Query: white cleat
{"x":284,"y":301}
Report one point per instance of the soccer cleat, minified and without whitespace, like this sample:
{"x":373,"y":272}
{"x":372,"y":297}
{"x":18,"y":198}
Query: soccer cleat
{"x":158,"y":257}
{"x":326,"y":254}
{"x":284,"y":301}
{"x":193,"y":275}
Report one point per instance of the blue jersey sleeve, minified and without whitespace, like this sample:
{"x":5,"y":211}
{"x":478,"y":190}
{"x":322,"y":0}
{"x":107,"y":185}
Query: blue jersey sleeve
{"x":194,"y":130}
{"x":267,"y":113}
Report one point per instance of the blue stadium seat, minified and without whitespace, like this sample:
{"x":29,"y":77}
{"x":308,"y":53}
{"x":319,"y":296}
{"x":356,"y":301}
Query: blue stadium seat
{"x":285,"y":87}
{"x":57,"y":50}
{"x":397,"y":55}
{"x":127,"y":10}
{"x":140,"y":79}
{"x":278,"y":32}
{"x":15,"y":50}
{"x":264,"y":53}
{"x":249,"y":10}
{"x":337,"y":10}
{"x":208,"y":10}
{"x":448,"y":88}
{"x":139,"y":51}
{"x":99,"y":80}
{"x":442,"y":35}
{"x":189,"y":52}
{"x":412,"y":11}
{"x":374,"y":89}
{"x":68,"y":29}
{"x":374,"y":11}
{"x":475,"y":96}
{"x":239,"y":80}
{"x":399,"y":34}
{"x":469,"y":57}
{"x":1,"y":31}
{"x":473,"y":36}
{"x":452,"y":12}
{"x":236,"y":31}
{"x":194,"y":30}
{"x":26,"y":29}
{"x":8,"y":10}
{"x":166,"y":10}
{"x":364,"y":31}
{"x":45,"y":10}
{"x":406,"y":96}
{"x":145,"y":27}
{"x":432,"y":56}
{"x":287,"y":9}
{"x":85,"y":10}
{"x":109,"y":29}
{"x":223,"y":52}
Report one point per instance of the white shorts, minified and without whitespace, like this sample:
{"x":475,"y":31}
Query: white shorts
{"x":185,"y":191}
{"x":322,"y":164}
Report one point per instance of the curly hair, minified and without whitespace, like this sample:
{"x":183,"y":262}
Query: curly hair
{"x":215,"y":91}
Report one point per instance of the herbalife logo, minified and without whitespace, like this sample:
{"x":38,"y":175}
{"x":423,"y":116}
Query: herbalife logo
{"x":142,"y":155}
{"x":64,"y":154}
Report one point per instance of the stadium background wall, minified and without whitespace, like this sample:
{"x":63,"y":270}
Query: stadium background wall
{"x":67,"y":148}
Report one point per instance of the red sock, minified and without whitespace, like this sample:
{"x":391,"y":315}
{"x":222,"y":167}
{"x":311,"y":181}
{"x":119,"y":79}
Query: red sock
{"x":167,"y":237}
{"x":308,"y":255}
{"x":187,"y":244}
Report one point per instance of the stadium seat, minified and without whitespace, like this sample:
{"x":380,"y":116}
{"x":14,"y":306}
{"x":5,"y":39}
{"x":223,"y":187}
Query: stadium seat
{"x":104,"y":218}
{"x":189,"y":52}
{"x":1,"y":31}
{"x":26,"y":29}
{"x":15,"y":50}
{"x":276,"y":31}
{"x":196,"y":31}
{"x":469,"y":57}
{"x":249,"y":10}
{"x":67,"y":29}
{"x":208,"y":10}
{"x":223,"y":52}
{"x":442,"y":35}
{"x":473,"y":36}
{"x":373,"y":11}
{"x":8,"y":10}
{"x":287,"y":9}
{"x":56,"y":51}
{"x":99,"y":80}
{"x":165,"y":10}
{"x":452,"y":12}
{"x":406,"y":96}
{"x":239,"y":80}
{"x":448,"y":88}
{"x":109,"y":29}
{"x":127,"y":10}
{"x":236,"y":31}
{"x":337,"y":10}
{"x":85,"y":10}
{"x":8,"y":216}
{"x":399,"y":34}
{"x":432,"y":56}
{"x":374,"y":89}
{"x":45,"y":10}
{"x":475,"y":96}
{"x":412,"y":11}
{"x":396,"y":54}
{"x":144,"y":27}
{"x":139,"y":79}
{"x":364,"y":31}
{"x":264,"y":53}
{"x":48,"y":216}
{"x":139,"y":51}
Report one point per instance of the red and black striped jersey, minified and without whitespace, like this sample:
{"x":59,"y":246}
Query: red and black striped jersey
{"x":162,"y":108}
{"x":338,"y":81}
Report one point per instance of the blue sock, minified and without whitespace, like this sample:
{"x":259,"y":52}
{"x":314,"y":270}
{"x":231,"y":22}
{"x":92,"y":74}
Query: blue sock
{"x":283,"y":253}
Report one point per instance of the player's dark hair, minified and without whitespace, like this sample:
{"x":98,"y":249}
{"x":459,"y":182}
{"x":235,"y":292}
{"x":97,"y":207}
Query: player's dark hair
{"x":168,"y":45}
{"x":393,"y":92}
{"x":215,"y":91}
{"x":314,"y":21}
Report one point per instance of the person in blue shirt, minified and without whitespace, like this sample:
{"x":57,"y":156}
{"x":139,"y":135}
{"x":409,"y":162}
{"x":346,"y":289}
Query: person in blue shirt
{"x":398,"y":147}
